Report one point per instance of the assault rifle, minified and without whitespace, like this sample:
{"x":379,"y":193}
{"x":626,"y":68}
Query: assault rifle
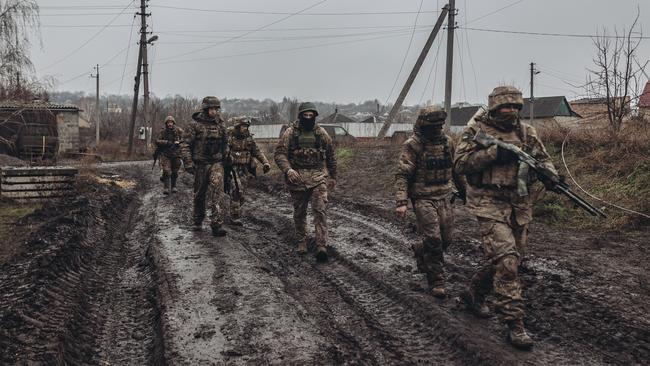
{"x":544,"y":174}
{"x":231,"y":182}
{"x":156,"y":153}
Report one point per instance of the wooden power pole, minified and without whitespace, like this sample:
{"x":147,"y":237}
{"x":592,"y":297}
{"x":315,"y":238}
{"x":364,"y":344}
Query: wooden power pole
{"x":97,"y":114}
{"x":451,"y":25}
{"x":416,"y":68}
{"x":531,"y":102}
{"x":142,"y":51}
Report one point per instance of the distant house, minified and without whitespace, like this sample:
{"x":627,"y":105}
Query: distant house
{"x":38,"y":129}
{"x":460,"y":116}
{"x":594,"y":107}
{"x":549,"y":111}
{"x":336,"y":117}
{"x":644,"y":101}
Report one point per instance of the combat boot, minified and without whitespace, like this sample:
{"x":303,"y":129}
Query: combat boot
{"x":166,"y":186}
{"x":234,"y":221}
{"x":218,"y":231}
{"x":321,"y":253}
{"x":302,"y":247}
{"x":197,"y":226}
{"x":173,"y":185}
{"x":475,"y":304}
{"x":437,"y":284}
{"x":517,"y":335}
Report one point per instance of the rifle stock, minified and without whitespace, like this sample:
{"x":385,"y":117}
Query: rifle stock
{"x":485,"y":140}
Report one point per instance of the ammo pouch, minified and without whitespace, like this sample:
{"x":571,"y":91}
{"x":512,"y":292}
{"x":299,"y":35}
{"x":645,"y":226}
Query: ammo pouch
{"x":308,"y":158}
{"x":240,"y":157}
{"x":213,"y":148}
{"x":437,"y":164}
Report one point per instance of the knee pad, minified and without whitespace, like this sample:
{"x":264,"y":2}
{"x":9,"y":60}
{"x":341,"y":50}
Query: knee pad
{"x":507,"y":267}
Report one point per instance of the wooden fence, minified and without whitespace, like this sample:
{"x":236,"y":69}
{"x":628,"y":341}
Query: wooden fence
{"x":36,"y":183}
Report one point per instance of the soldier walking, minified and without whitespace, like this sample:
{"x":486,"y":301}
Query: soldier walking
{"x":205,"y":151}
{"x":424,"y":176}
{"x":168,"y":150}
{"x":243,"y":151}
{"x":306,"y":157}
{"x":500,"y":194}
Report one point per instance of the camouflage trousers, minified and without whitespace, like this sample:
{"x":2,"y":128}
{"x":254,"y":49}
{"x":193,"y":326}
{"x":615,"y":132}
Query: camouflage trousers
{"x":208,"y":185}
{"x":502,"y":245}
{"x":435,"y":221}
{"x":237,"y":200}
{"x":169,"y":166}
{"x":318,"y":198}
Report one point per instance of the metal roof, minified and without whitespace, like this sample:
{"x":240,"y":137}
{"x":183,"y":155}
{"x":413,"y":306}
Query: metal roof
{"x":644,"y":99}
{"x":461,"y":115}
{"x":336,"y":118}
{"x":12,"y":104}
{"x":546,"y":107}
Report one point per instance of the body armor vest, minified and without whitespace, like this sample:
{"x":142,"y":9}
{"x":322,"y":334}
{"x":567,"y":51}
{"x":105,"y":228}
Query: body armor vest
{"x":211,"y":138}
{"x":501,"y":175}
{"x":435,"y":163}
{"x":240,"y":150}
{"x":306,"y":150}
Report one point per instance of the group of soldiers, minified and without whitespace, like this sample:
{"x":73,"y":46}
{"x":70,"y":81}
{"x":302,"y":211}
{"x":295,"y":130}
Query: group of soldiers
{"x":433,"y":170}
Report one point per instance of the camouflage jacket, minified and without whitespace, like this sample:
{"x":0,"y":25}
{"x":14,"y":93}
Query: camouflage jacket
{"x":492,"y":187}
{"x":205,"y":141}
{"x":165,"y":142}
{"x":309,"y":153}
{"x":414,"y":179}
{"x":243,"y":149}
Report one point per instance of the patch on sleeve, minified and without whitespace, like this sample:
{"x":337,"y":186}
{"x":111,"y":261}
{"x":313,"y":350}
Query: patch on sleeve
{"x":467,"y":136}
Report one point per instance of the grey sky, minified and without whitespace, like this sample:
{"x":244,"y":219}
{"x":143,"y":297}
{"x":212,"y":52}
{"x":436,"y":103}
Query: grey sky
{"x":355,"y":58}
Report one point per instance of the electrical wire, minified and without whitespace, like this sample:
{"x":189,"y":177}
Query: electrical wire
{"x":399,"y":73}
{"x":434,"y":65}
{"x":126,"y":59}
{"x":570,"y":35}
{"x":246,"y":33}
{"x":462,"y":68}
{"x":566,"y":167}
{"x":469,"y":54}
{"x":89,"y":39}
{"x":285,"y":13}
{"x":491,"y":13}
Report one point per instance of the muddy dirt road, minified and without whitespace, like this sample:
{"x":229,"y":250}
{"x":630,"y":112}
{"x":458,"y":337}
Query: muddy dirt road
{"x":120,"y":279}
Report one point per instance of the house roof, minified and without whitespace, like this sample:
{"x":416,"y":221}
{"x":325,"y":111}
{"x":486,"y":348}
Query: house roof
{"x":461,"y":115}
{"x":545,"y":107}
{"x":336,"y":118}
{"x":644,"y":99}
{"x":13,"y":104}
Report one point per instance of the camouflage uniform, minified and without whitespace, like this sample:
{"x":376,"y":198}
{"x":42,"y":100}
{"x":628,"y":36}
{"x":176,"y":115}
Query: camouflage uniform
{"x":424,"y":175}
{"x":501,"y":194}
{"x":168,"y":144}
{"x":243,"y":151}
{"x":311,"y":154}
{"x":204,"y":148}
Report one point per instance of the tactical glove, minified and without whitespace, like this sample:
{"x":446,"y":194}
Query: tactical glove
{"x":266,"y":168}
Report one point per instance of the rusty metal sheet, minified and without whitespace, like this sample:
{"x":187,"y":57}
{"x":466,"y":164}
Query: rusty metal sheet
{"x":37,"y":171}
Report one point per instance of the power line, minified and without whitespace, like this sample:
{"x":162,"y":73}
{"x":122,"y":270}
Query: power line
{"x":434,"y":65}
{"x":469,"y":54}
{"x":89,"y":39}
{"x":409,"y":26}
{"x":246,"y":33}
{"x":401,"y":67}
{"x":570,"y":35}
{"x":285,"y":13}
{"x":490,"y":13}
{"x":126,"y":59}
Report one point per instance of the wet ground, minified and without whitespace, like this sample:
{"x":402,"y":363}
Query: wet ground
{"x":117,"y":277}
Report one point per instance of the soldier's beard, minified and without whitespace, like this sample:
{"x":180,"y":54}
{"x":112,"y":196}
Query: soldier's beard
{"x":506,"y":121}
{"x":307,"y":124}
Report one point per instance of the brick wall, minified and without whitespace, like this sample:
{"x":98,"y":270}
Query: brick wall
{"x":68,"y":128}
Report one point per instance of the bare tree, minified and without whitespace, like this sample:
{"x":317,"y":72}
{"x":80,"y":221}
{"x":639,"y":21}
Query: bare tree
{"x":18,"y":20}
{"x":615,"y":77}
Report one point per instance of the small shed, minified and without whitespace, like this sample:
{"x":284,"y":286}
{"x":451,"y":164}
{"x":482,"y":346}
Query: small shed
{"x":549,"y":111}
{"x":38,"y":129}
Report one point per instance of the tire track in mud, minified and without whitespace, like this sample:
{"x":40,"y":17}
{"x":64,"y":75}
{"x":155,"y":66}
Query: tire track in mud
{"x":378,"y":272}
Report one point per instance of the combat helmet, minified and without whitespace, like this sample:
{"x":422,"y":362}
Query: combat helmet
{"x":432,"y":115}
{"x":170,"y":118}
{"x":241,"y":121}
{"x":307,"y":106}
{"x":503,"y":95}
{"x":210,"y":102}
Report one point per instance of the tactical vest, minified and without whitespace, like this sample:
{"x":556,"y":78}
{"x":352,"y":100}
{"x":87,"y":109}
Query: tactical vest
{"x":434,"y":166}
{"x":211,"y":137}
{"x":240,"y":150}
{"x":306,"y":149}
{"x":501,"y":175}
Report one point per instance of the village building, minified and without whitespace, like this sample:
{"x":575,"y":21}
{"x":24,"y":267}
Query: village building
{"x":38,"y":129}
{"x":644,"y":102}
{"x":595,"y":108}
{"x":550,"y":112}
{"x":460,"y":117}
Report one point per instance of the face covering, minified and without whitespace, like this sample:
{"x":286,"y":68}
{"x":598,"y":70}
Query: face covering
{"x":505,"y":121}
{"x":307,"y":123}
{"x":431,"y":132}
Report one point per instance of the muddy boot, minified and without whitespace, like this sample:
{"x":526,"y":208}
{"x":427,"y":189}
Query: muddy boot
{"x":173,"y":185}
{"x":321,"y":253}
{"x":218,"y":231}
{"x":235,"y":221}
{"x":438,"y":290}
{"x":166,"y":186}
{"x":302,"y":247}
{"x":197,"y":226}
{"x":475,"y":304}
{"x":517,"y":335}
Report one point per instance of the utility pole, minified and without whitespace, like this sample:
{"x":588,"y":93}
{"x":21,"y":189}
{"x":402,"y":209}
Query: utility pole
{"x":451,"y":25}
{"x":416,"y":68}
{"x":96,"y":76}
{"x":533,"y":72}
{"x":142,"y":51}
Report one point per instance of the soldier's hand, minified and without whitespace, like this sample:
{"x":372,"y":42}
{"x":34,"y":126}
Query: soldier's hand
{"x":331,"y":183}
{"x":400,"y":212}
{"x":266,"y":168}
{"x":189,"y":169}
{"x":293,"y":176}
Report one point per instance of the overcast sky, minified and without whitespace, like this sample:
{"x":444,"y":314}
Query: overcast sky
{"x":332,"y":51}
